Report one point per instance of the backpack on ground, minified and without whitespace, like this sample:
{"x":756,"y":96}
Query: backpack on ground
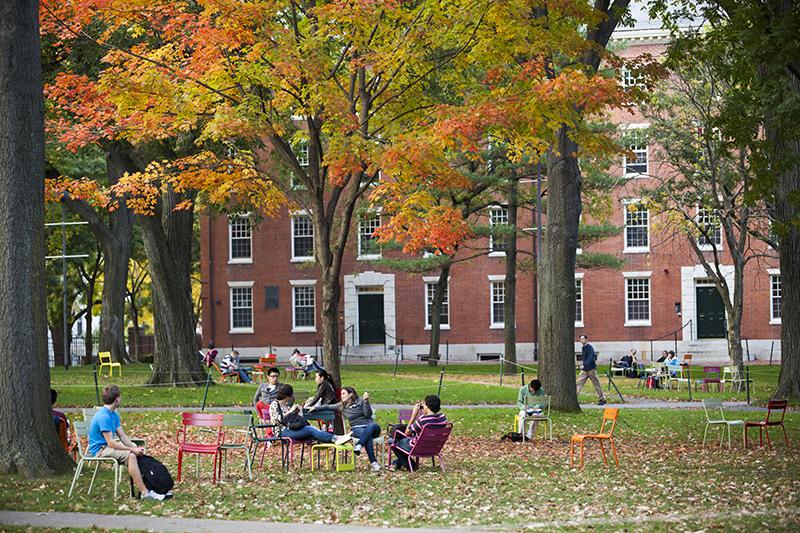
{"x":155,"y":475}
{"x":512,"y":436}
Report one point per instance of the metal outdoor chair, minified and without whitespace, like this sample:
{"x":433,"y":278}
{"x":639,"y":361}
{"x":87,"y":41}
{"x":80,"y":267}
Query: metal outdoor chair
{"x":544,"y":402}
{"x":240,"y":426}
{"x":81,"y":429}
{"x":713,"y":409}
{"x":429,"y":443}
{"x":774,"y":406}
{"x":212,"y":447}
{"x":712,"y":375}
{"x":610,"y":414}
{"x":106,"y":362}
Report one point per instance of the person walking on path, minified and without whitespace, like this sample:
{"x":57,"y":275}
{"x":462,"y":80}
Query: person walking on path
{"x":589,"y":370}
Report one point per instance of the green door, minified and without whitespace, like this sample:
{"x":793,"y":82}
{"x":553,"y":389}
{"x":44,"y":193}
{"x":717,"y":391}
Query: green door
{"x":710,"y":314}
{"x":370,"y":318}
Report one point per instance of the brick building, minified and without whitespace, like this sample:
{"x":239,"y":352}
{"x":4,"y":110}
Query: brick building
{"x":261,"y":289}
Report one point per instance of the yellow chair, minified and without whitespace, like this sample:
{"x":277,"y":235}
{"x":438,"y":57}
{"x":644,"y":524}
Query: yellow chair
{"x":105,"y":361}
{"x":343,"y":457}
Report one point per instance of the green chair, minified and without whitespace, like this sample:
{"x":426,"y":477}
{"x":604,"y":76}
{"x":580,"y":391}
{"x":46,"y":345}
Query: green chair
{"x":715,"y":416}
{"x":238,"y":424}
{"x":82,"y":430}
{"x":544,"y":403}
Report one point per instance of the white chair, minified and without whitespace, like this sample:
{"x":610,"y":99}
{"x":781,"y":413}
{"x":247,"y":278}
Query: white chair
{"x":82,"y":430}
{"x":544,"y":402}
{"x":713,"y":408}
{"x":731,"y":375}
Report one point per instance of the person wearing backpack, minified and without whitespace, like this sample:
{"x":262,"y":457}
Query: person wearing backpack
{"x":104,"y":427}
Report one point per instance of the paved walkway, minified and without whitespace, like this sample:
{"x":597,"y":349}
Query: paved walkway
{"x":158,"y":523}
{"x":633,"y":403}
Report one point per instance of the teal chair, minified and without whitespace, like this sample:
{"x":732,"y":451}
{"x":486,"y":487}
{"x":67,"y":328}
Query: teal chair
{"x":239,"y":424}
{"x":544,"y":417}
{"x":715,"y":416}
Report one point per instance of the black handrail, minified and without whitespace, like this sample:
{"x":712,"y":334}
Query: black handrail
{"x":674,"y":336}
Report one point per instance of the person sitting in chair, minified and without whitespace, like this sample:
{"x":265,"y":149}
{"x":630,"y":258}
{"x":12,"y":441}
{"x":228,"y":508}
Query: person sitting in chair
{"x":628,"y":363}
{"x":425,"y":413}
{"x":230,"y":366}
{"x":532,"y":389}
{"x":663,"y":358}
{"x":266,"y":392}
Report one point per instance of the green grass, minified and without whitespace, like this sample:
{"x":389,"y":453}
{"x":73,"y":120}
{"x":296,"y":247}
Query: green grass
{"x":663,"y":473}
{"x":463,"y":384}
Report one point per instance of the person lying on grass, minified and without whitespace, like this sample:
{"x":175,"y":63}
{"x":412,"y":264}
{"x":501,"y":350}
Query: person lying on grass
{"x":358,"y":413}
{"x":425,"y":413}
{"x":104,"y":426}
{"x":291,"y":423}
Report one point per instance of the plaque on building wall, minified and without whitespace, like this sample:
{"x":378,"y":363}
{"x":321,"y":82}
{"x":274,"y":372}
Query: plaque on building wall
{"x":272,"y":297}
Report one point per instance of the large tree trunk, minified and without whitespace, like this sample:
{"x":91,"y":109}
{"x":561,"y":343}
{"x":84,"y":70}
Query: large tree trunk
{"x":88,"y":338}
{"x":115,"y":239}
{"x":556,"y":272}
{"x":28,"y":441}
{"x":331,"y":292}
{"x":168,"y":244}
{"x":787,"y":213}
{"x":57,"y":337}
{"x":436,"y":313}
{"x":510,"y":303}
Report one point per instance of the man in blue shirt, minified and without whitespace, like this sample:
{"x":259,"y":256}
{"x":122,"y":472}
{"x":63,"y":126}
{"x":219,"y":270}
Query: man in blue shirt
{"x":589,"y":370}
{"x":104,"y":428}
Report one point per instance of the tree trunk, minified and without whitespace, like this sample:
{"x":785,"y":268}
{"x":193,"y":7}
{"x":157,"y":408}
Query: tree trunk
{"x":436,"y":313}
{"x":115,"y":239}
{"x":510,"y":303}
{"x":88,"y":338}
{"x":57,"y":336}
{"x":331,"y":292}
{"x":787,"y":213}
{"x":168,"y":245}
{"x":28,"y":441}
{"x":556,"y":272}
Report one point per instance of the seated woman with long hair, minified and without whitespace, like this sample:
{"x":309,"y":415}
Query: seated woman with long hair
{"x":358,"y":413}
{"x":286,"y":415}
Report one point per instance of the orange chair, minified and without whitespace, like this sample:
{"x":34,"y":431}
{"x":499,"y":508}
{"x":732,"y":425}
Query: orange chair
{"x":764,"y":425}
{"x":213,"y":445}
{"x":234,"y":378}
{"x":609,"y":415}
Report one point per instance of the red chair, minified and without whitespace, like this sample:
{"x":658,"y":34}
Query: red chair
{"x":201,"y":420}
{"x":712,"y":374}
{"x":429,"y":443}
{"x":763,"y":426}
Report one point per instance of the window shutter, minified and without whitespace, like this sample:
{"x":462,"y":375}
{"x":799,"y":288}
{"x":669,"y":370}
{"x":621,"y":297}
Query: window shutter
{"x":272,"y":297}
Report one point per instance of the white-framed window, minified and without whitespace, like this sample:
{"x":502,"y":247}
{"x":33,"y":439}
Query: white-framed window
{"x":302,"y":238}
{"x":303,"y":305}
{"x":240,"y":239}
{"x":368,"y":247}
{"x":635,"y":136}
{"x":300,"y":150}
{"x":579,"y":299}
{"x":241,"y":306}
{"x":497,"y":299}
{"x":774,"y":296}
{"x":710,"y":230}
{"x":637,"y":298}
{"x":430,"y":291}
{"x":498,"y":215}
{"x":628,"y":78}
{"x":637,"y":227}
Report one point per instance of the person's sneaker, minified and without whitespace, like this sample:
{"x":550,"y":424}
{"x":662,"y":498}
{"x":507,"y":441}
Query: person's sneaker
{"x":357,"y":448}
{"x":152,"y":495}
{"x":341,"y":439}
{"x":602,"y":401}
{"x":375,"y":466}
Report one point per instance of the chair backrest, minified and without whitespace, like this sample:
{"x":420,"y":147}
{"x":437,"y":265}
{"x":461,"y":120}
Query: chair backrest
{"x":235,"y":420}
{"x":713,"y":408}
{"x":270,"y":358}
{"x":609,"y":415}
{"x":712,"y":372}
{"x":544,"y":401}
{"x":89,"y":412}
{"x":687,"y":358}
{"x":201,"y":420}
{"x":105,"y":357}
{"x":777,"y":406}
{"x":404,"y":415}
{"x":81,"y":429}
{"x":431,"y":440}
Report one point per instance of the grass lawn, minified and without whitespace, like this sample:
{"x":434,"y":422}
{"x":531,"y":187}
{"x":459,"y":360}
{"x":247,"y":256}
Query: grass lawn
{"x":463,"y":384}
{"x":665,"y":481}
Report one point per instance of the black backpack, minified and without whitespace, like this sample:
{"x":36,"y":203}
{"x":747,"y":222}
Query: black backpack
{"x":512,"y":436}
{"x":155,"y":475}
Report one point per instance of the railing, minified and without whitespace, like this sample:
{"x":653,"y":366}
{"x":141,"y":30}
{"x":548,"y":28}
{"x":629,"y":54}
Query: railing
{"x":674,"y":335}
{"x":395,"y":339}
{"x":342,"y":341}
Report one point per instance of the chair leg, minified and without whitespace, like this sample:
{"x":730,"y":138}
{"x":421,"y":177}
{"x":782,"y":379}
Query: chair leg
{"x":603,"y":452}
{"x":180,"y":463}
{"x":705,"y":433}
{"x":582,"y":442}
{"x":745,"y":436}
{"x":614,"y":451}
{"x":784,"y":435}
{"x":441,"y":463}
{"x":761,"y":436}
{"x":116,"y":479}
{"x":96,"y":466}
{"x":571,"y":454}
{"x":769,"y":444}
{"x":75,"y":477}
{"x":729,"y":435}
{"x":722,"y":434}
{"x":249,"y":464}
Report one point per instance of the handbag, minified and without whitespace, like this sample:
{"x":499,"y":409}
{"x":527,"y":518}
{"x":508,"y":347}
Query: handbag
{"x":293,"y":421}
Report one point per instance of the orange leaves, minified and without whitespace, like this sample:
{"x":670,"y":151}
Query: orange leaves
{"x":440,"y":228}
{"x":79,"y":189}
{"x":81,"y":111}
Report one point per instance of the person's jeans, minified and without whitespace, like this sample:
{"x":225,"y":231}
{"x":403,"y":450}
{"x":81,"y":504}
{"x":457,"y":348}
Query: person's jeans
{"x":402,"y":458}
{"x":308,"y":432}
{"x":365,"y":434}
{"x":243,"y":376}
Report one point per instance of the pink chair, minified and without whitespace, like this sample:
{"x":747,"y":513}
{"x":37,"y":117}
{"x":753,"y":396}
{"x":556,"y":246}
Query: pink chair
{"x":429,"y":443}
{"x":713,"y":374}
